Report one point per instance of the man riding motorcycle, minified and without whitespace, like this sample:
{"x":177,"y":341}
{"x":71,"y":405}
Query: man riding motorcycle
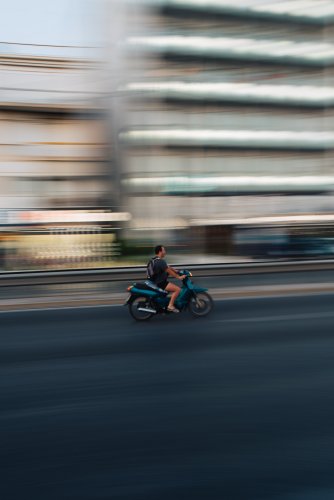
{"x":158,"y":271}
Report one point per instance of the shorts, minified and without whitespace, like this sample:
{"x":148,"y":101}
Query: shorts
{"x":163,"y":284}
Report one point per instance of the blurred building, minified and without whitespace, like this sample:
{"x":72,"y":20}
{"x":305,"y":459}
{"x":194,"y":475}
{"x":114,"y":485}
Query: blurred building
{"x":205,"y":124}
{"x":55,"y":145}
{"x":229,"y":118}
{"x":57,"y":190}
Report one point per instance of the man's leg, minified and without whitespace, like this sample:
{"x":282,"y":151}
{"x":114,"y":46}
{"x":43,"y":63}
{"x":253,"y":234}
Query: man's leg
{"x":175,"y":292}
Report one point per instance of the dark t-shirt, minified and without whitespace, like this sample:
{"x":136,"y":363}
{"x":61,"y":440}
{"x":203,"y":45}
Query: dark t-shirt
{"x":160,"y":274}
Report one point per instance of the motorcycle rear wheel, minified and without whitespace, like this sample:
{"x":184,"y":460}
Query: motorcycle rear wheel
{"x":201,"y":305}
{"x":140,"y":315}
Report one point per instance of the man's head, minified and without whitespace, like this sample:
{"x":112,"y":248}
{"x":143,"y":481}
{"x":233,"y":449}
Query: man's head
{"x":160,"y":251}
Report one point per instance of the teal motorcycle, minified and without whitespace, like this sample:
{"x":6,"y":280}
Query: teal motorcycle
{"x":147,"y":299}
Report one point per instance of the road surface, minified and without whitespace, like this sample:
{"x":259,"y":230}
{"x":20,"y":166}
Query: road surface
{"x":237,"y":406}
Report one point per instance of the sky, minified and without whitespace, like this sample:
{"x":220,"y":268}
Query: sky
{"x":55,"y":22}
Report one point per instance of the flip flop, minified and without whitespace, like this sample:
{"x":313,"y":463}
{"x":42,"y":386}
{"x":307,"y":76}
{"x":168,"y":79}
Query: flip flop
{"x":173,"y":309}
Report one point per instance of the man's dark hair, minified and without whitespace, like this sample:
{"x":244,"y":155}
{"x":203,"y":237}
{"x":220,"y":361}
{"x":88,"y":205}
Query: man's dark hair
{"x":158,"y":249}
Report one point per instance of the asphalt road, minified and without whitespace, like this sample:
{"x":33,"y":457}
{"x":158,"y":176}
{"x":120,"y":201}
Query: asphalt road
{"x":239,"y":405}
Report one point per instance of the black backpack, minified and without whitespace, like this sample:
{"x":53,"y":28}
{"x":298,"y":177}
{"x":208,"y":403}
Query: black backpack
{"x":150,"y":268}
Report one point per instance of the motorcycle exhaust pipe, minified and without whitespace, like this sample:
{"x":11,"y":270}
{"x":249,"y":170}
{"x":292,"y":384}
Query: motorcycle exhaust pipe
{"x":147,"y":309}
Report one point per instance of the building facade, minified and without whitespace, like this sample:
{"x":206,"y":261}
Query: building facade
{"x":229,"y":118}
{"x":57,"y":189}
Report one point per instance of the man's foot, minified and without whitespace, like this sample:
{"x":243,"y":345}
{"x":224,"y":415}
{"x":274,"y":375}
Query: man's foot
{"x":172,"y":309}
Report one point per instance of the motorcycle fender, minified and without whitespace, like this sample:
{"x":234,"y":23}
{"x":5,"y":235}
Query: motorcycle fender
{"x":129,"y":300}
{"x":133,"y":296}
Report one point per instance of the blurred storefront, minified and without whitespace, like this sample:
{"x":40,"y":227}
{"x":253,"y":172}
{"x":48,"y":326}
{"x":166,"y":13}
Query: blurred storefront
{"x":51,"y":239}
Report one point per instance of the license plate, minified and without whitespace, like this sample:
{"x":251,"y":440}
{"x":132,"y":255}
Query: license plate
{"x":127,"y":300}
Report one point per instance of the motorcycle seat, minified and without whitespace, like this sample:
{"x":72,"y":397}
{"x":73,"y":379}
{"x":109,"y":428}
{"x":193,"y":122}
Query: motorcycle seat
{"x":149,"y":285}
{"x":153,"y":286}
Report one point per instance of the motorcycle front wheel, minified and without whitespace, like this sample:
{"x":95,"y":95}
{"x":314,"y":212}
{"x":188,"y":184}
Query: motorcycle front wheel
{"x":140,"y":303}
{"x":201,"y":304}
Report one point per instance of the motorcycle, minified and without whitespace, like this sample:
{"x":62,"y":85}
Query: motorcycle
{"x":147,"y":299}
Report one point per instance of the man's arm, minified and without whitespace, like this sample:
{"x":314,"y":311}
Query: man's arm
{"x":173,"y":273}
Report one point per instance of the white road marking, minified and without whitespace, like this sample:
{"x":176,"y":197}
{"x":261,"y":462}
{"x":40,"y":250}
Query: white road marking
{"x":283,"y":317}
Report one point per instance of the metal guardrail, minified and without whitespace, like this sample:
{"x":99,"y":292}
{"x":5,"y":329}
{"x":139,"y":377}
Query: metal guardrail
{"x":33,"y":278}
